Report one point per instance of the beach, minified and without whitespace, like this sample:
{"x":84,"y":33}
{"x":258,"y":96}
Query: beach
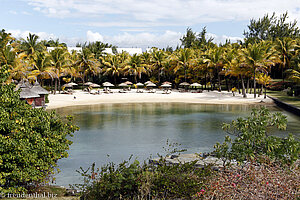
{"x":79,"y":98}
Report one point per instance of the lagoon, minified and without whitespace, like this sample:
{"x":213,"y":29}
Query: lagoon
{"x":113,"y":132}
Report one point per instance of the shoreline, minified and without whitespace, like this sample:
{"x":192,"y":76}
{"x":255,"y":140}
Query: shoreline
{"x":212,"y":97}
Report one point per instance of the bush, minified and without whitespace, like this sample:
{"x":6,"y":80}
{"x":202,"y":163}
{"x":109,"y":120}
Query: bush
{"x":278,"y":86}
{"x":147,"y":181}
{"x":253,"y":139}
{"x":31,"y":141}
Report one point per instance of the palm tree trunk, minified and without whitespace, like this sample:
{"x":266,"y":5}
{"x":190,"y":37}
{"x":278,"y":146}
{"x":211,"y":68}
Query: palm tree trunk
{"x":227,"y":86}
{"x":59,"y":85}
{"x":248,"y":83}
{"x":219,"y":79}
{"x":158,"y":77}
{"x":184,"y":73}
{"x":243,"y":88}
{"x":254,"y":82}
{"x":55,"y":86}
{"x":265,"y":91}
{"x":205,"y":82}
{"x":115,"y":80}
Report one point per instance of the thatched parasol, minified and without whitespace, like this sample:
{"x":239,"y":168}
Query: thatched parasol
{"x":107,"y":84}
{"x":88,"y":83}
{"x":94,"y":85}
{"x":128,"y":83}
{"x":184,"y":84}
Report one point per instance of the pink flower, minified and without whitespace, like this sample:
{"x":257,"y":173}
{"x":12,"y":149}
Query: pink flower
{"x":233,"y":184}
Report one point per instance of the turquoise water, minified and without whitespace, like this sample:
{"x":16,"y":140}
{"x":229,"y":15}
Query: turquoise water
{"x":113,"y":132}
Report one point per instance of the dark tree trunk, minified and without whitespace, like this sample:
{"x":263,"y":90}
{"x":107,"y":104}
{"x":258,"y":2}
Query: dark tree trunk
{"x":205,"y":82}
{"x":55,"y":86}
{"x":254,"y":82}
{"x":243,"y":88}
{"x":238,"y":84}
{"x":227,"y":86}
{"x":248,"y":84}
{"x":219,"y":79}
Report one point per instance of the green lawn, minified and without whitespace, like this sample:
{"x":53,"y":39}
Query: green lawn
{"x":285,"y":98}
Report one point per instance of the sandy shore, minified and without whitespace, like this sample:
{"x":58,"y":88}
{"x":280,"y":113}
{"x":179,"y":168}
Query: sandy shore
{"x":214,"y":97}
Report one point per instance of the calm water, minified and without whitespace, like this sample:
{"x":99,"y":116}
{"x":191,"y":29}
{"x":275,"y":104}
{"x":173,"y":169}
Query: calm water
{"x":113,"y":132}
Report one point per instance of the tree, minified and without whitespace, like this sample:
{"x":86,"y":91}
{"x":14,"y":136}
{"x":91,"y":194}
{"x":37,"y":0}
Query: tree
{"x":31,"y":141}
{"x":183,"y":60}
{"x":135,"y":67}
{"x":285,"y":50}
{"x":59,"y":61}
{"x":252,"y":139}
{"x":188,"y":40}
{"x":158,"y":58}
{"x":113,"y":66}
{"x":256,"y":56}
{"x":97,"y":48}
{"x":87,"y":64}
{"x":31,"y":45}
{"x":294,"y":74}
{"x":270,"y":28}
{"x":42,"y":70}
{"x":264,"y":80}
{"x":215,"y":62}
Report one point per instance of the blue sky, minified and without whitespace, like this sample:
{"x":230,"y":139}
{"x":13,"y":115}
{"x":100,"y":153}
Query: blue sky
{"x":136,"y":23}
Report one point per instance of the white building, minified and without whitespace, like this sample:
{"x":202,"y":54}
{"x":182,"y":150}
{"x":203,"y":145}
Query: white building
{"x":70,"y":49}
{"x":131,"y":51}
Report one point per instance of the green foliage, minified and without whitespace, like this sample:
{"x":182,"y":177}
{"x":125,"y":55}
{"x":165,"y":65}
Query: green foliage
{"x":31,"y":141}
{"x":253,"y":140}
{"x":192,"y":40}
{"x":132,"y":180}
{"x":270,"y":28}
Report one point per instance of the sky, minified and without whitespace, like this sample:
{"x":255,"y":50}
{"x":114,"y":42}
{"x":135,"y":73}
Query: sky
{"x":136,"y":23}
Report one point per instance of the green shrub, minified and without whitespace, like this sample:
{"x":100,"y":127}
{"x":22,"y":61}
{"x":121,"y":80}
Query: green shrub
{"x":31,"y":141}
{"x":253,"y":139}
{"x":147,"y":181}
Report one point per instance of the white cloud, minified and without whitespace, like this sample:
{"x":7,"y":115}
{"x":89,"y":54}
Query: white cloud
{"x":93,"y":37}
{"x":157,"y":12}
{"x":13,"y":12}
{"x":145,"y":39}
{"x":142,"y":40}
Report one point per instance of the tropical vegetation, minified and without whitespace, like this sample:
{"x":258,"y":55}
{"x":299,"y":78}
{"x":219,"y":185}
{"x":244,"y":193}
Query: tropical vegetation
{"x":270,"y":50}
{"x":31,"y":141}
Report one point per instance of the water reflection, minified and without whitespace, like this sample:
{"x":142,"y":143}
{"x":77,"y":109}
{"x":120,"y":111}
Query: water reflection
{"x":119,"y":130}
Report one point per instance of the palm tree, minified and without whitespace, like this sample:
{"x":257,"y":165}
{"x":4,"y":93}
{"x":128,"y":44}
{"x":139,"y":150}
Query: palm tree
{"x":215,"y":62}
{"x":158,"y":58}
{"x":257,"y":55}
{"x":113,"y":66}
{"x":135,"y":67}
{"x":264,"y":80}
{"x":183,"y":60}
{"x":87,"y":64}
{"x":294,"y":74}
{"x":59,"y":61}
{"x":284,"y":49}
{"x":42,"y":67}
{"x":31,"y":45}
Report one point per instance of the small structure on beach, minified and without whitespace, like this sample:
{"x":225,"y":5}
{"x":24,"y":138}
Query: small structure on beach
{"x":33,"y":95}
{"x":39,"y":101}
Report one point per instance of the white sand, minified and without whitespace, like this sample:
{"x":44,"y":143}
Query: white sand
{"x":84,"y":98}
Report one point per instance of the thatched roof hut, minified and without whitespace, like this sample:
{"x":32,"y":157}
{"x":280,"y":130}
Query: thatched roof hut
{"x":27,"y":93}
{"x":38,"y":89}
